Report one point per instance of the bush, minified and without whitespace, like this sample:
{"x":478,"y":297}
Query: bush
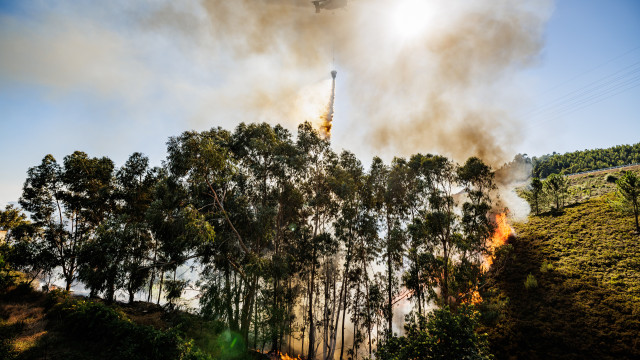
{"x":531,"y":282}
{"x":611,"y":178}
{"x":545,"y":267}
{"x":442,"y":335}
{"x":93,"y":321}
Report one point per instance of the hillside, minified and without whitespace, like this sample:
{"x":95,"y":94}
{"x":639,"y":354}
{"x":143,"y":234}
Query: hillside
{"x":586,"y":262}
{"x":589,"y":186}
{"x":585,"y":160}
{"x":34,"y":325}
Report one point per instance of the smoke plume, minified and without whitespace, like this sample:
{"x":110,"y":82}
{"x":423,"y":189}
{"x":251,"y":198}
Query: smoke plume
{"x":448,"y":88}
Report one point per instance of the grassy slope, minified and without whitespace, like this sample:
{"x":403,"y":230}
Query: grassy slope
{"x":589,"y":186}
{"x":587,"y":303}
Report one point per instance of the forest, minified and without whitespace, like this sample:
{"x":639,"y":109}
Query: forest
{"x":297,"y":249}
{"x":585,"y":160}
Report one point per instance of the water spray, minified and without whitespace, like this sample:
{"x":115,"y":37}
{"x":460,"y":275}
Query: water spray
{"x":327,"y":117}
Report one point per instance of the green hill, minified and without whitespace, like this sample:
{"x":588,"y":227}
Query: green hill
{"x":586,"y":305}
{"x":585,"y":160}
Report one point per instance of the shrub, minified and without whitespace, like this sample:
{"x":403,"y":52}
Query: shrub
{"x":545,"y":267}
{"x":93,"y":321}
{"x":441,"y":335}
{"x":611,"y":178}
{"x":530,"y":282}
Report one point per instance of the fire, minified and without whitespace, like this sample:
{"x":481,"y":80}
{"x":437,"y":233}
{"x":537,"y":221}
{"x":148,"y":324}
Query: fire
{"x":287,"y":357}
{"x":499,"y":238}
{"x":280,"y":356}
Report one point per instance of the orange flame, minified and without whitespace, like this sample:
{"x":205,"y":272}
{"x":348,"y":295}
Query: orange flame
{"x":287,"y":357}
{"x":499,"y":238}
{"x":280,"y":356}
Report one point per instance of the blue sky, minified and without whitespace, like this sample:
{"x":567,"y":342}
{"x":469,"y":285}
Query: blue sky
{"x":111,"y":81}
{"x":584,"y":95}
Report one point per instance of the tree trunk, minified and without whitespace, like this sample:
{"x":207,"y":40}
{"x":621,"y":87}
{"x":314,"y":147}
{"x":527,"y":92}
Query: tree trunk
{"x":312,"y":336}
{"x":161,"y":283}
{"x":153,"y":271}
{"x":274,"y":319}
{"x":247,"y":305}
{"x":445,"y":288}
{"x":344,"y":306}
{"x":390,"y":292}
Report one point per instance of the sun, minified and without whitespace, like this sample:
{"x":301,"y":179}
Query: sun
{"x":411,"y":18}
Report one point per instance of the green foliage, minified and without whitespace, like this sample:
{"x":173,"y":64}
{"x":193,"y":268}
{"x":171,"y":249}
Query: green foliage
{"x":579,"y":161}
{"x":11,"y":218}
{"x":295,"y":223}
{"x":535,"y":195}
{"x":66,"y":204}
{"x":442,"y":335}
{"x":611,"y":178}
{"x":530,"y":282}
{"x":93,"y":321}
{"x":545,"y":267}
{"x":629,"y":193}
{"x":557,"y":187}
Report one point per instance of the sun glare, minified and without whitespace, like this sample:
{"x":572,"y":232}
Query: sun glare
{"x":411,"y":18}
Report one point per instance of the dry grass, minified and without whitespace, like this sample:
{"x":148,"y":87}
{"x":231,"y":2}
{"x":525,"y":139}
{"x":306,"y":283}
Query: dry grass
{"x":23,"y":322}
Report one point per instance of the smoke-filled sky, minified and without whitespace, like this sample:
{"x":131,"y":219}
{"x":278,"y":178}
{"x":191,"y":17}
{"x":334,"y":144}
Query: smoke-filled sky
{"x":471,"y":77}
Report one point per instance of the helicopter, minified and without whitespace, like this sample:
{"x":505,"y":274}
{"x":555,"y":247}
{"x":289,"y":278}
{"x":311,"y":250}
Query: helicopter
{"x":329,"y":4}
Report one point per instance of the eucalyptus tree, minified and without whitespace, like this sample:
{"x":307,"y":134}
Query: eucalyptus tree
{"x":68,"y":203}
{"x":318,"y":211}
{"x":434,"y":233}
{"x":390,"y":189}
{"x":267,"y":163}
{"x":244,"y":184}
{"x":204,"y":165}
{"x":114,"y":258}
{"x":355,"y":227}
{"x":476,"y":179}
{"x":12,"y":217}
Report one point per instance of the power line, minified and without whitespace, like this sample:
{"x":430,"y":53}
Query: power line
{"x":597,"y":91}
{"x":589,"y":88}
{"x":589,"y":95}
{"x":593,"y":68}
{"x":633,"y":84}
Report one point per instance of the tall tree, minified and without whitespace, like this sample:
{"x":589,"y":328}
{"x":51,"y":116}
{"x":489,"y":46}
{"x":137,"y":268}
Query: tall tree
{"x":476,"y":178}
{"x":68,"y":202}
{"x":389,"y":185}
{"x":117,"y":257}
{"x":355,"y":227}
{"x":318,"y":211}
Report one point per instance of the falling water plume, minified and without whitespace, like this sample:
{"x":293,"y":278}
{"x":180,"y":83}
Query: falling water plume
{"x":327,"y":117}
